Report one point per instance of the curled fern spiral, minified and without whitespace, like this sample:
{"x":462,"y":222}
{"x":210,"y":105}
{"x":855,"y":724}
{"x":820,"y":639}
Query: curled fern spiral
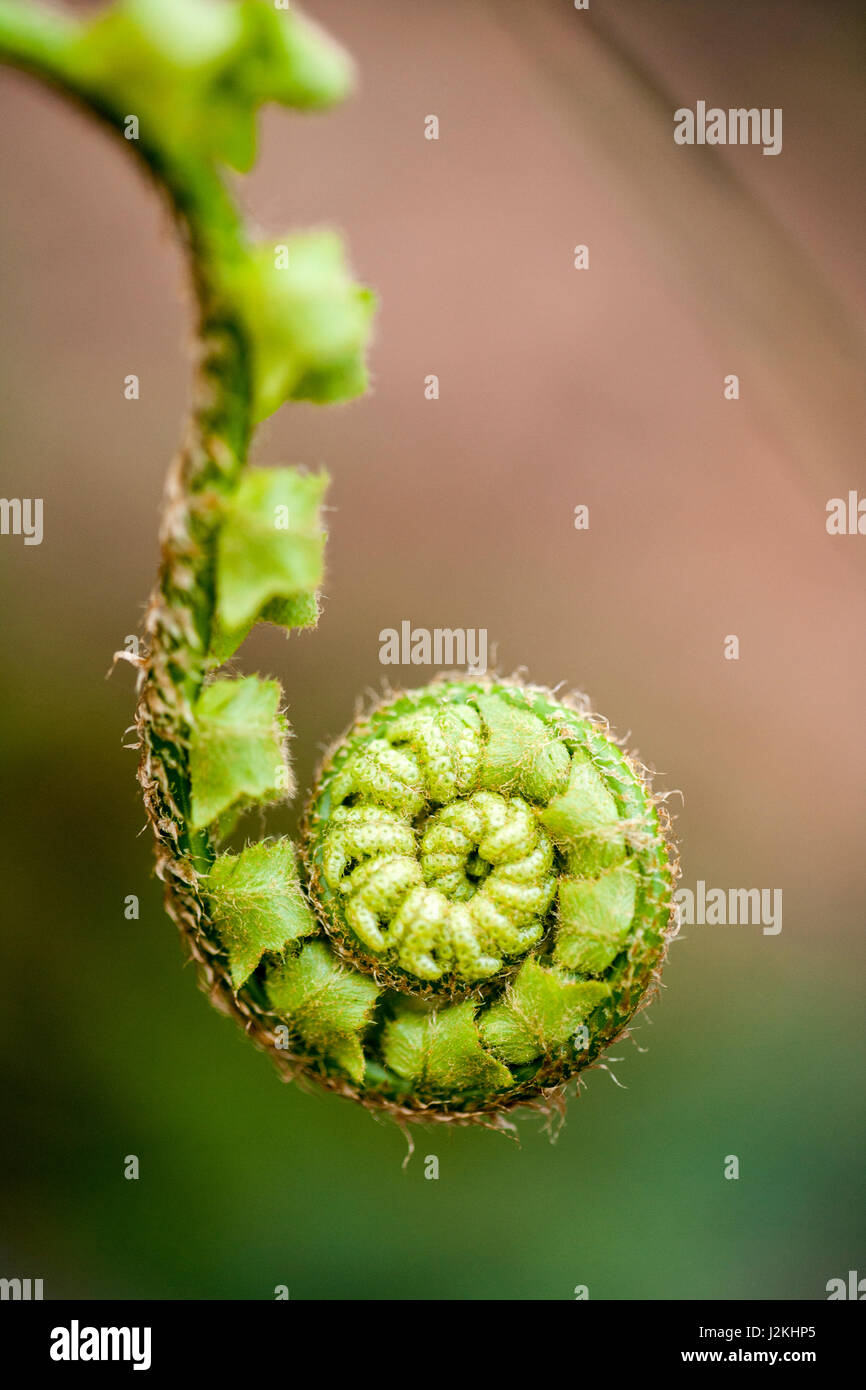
{"x":491,"y":877}
{"x":482,"y":897}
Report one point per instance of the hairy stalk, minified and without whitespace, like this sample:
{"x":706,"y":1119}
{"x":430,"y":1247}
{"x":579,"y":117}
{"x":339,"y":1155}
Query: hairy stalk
{"x":181,"y":608}
{"x":483,"y":900}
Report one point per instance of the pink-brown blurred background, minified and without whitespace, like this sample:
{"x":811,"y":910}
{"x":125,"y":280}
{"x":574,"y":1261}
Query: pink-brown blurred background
{"x":558,"y":387}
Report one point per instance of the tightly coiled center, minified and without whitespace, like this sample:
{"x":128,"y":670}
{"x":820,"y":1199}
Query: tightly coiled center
{"x":435,"y":872}
{"x":473,"y":894}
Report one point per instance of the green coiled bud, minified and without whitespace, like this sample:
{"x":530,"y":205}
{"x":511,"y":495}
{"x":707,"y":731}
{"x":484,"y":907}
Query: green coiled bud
{"x":492,"y":885}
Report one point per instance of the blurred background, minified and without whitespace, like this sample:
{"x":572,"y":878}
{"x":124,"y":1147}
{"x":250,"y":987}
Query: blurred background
{"x":558,"y":387}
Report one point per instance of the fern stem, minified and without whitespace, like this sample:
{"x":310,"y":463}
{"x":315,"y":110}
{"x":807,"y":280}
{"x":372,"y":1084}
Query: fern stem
{"x":180,"y":612}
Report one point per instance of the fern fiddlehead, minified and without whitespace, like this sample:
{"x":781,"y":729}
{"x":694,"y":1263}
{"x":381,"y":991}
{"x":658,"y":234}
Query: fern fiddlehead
{"x":483,"y":895}
{"x":493,"y":867}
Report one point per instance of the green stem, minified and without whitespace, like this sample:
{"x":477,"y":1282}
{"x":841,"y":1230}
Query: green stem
{"x":181,"y":609}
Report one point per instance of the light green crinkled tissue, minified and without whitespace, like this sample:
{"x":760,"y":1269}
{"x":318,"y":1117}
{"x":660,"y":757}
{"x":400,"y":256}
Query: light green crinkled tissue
{"x":521,"y":752}
{"x":237,"y":748}
{"x":594,"y":919}
{"x":441,"y":1049}
{"x":197,"y":71}
{"x":270,"y":555}
{"x":327,"y":1006}
{"x":257,"y":904}
{"x":541,"y":1012}
{"x":307,"y":321}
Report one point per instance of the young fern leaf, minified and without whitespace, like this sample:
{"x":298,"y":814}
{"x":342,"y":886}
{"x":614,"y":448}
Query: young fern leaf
{"x":237,"y":751}
{"x":307,"y":322}
{"x":441,"y":1053}
{"x":199,"y":71}
{"x":329,"y":1008}
{"x":269,"y":555}
{"x":484,"y":895}
{"x":257,"y":904}
{"x":540,"y":1013}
